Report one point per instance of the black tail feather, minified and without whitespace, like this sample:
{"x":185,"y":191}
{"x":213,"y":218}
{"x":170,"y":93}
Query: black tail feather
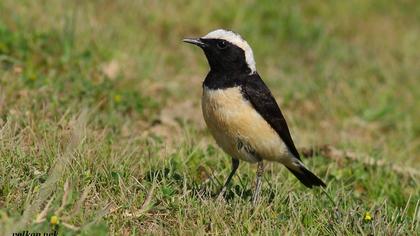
{"x":306,"y":177}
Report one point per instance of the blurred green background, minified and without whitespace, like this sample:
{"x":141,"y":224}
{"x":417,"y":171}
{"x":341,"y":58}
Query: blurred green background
{"x":345,"y":73}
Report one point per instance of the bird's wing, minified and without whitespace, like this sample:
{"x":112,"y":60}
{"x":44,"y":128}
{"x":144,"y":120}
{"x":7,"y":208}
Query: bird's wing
{"x":263,"y":101}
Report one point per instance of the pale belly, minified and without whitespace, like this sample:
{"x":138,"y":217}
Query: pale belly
{"x":240,"y":130}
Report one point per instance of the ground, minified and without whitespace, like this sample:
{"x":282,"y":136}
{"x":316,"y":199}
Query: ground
{"x":101,"y":129}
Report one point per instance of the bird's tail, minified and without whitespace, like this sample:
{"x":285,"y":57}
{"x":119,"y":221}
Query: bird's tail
{"x":305,"y":176}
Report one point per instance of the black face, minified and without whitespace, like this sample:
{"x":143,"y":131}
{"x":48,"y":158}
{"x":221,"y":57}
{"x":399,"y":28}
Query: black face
{"x":222,"y":55}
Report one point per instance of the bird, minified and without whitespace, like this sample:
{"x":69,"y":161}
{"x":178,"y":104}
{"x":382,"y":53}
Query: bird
{"x":241,"y":113}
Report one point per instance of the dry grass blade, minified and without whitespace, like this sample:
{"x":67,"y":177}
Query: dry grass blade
{"x":48,"y":187}
{"x":100,"y":214}
{"x":81,"y":200}
{"x":69,"y":226}
{"x":41,"y":216}
{"x":144,"y":207}
{"x":65,"y":196}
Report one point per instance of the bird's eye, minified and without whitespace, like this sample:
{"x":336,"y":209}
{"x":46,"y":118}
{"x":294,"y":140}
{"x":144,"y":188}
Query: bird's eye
{"x":221,"y":45}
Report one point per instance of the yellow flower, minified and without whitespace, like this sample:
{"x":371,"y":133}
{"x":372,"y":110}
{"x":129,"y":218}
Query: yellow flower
{"x":54,"y":220}
{"x":367,"y":216}
{"x":117,"y":98}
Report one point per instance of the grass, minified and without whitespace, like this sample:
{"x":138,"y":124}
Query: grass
{"x":101,"y":127}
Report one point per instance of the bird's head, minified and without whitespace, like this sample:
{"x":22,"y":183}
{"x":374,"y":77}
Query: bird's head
{"x":226,"y":52}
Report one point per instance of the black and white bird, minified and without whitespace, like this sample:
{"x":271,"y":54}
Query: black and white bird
{"x":240,"y":111}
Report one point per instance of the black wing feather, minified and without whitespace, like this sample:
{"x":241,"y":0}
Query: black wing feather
{"x":263,"y":101}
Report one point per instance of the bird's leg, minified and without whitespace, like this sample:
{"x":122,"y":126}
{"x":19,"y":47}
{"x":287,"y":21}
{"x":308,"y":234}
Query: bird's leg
{"x":235,"y":164}
{"x":260,"y":172}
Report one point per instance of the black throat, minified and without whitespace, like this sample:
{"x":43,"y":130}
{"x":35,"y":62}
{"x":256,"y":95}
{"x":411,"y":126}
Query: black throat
{"x":219,"y":80}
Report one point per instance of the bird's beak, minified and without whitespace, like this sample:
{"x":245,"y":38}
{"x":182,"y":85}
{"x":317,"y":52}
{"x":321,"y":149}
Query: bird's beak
{"x":195,"y":41}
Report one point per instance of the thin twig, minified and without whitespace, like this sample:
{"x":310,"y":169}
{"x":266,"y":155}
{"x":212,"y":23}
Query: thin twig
{"x":335,"y":154}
